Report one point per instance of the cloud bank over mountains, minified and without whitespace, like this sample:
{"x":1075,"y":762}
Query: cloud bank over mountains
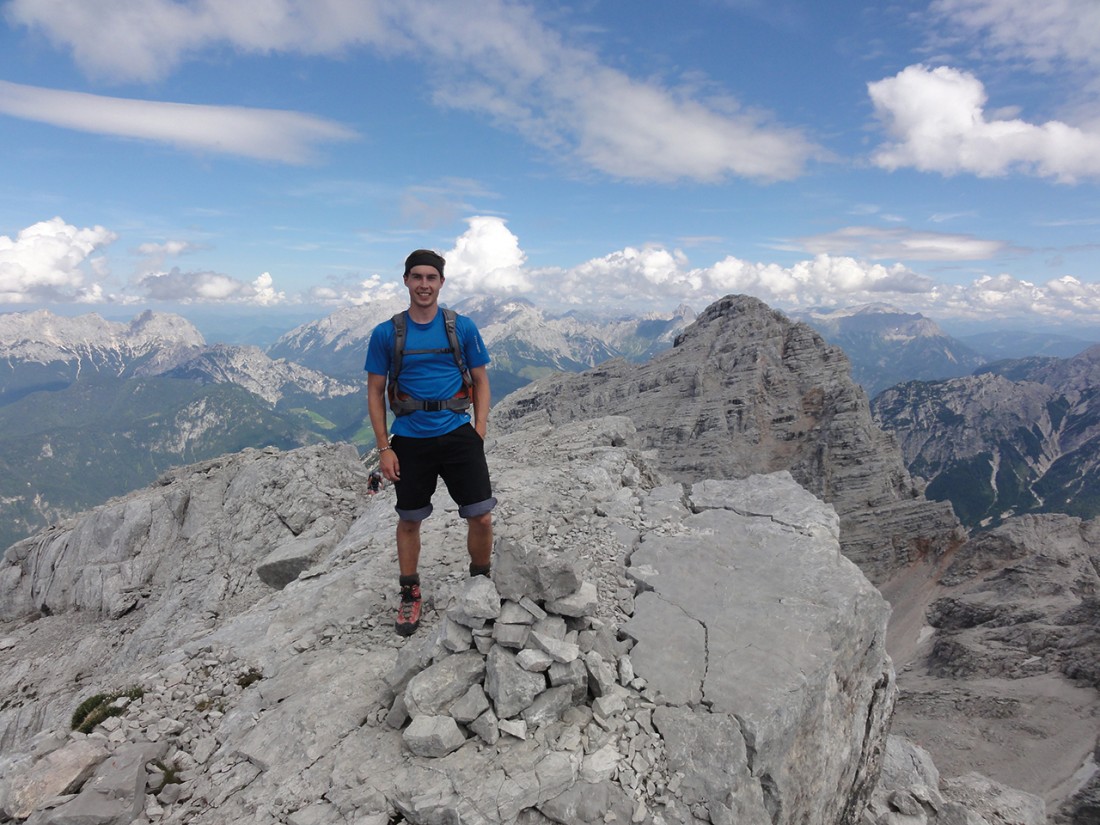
{"x":54,"y":261}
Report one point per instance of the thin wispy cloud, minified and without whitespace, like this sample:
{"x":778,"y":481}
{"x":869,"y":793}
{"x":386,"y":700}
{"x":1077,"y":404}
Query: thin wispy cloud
{"x":262,"y":134}
{"x":501,"y":62}
{"x":906,"y":244}
{"x":1043,"y":33}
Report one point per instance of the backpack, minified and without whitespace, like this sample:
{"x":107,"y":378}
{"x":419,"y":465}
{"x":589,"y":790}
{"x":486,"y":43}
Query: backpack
{"x":402,"y":404}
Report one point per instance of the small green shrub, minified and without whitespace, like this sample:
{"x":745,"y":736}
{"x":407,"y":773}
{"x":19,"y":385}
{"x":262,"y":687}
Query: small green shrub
{"x":86,"y":707}
{"x":96,"y":708}
{"x":98,"y":714}
{"x":170,"y":772}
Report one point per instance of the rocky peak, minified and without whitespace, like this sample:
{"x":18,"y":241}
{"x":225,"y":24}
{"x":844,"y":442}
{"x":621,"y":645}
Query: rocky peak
{"x":743,"y":391}
{"x":649,"y":650}
{"x":164,"y":328}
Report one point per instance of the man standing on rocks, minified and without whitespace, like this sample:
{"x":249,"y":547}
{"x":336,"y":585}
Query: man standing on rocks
{"x":431,"y":388}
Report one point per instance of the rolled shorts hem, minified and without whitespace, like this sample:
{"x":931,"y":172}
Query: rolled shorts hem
{"x":419,"y":514}
{"x":478,"y":508}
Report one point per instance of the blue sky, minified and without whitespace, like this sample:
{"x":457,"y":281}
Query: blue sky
{"x":942,"y":157}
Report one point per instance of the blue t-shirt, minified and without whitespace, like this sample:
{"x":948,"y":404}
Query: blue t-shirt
{"x":427,"y":376}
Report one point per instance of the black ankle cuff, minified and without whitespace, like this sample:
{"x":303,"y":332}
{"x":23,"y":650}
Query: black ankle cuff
{"x":479,"y":569}
{"x":408,"y":581}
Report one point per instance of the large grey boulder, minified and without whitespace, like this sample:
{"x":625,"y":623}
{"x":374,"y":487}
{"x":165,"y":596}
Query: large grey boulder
{"x":768,"y":607}
{"x":910,"y":790}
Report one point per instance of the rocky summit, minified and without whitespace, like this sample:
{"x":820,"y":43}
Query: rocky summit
{"x":220,"y":648}
{"x":743,"y":391}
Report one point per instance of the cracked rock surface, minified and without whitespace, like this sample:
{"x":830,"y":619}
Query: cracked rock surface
{"x":653,"y":653}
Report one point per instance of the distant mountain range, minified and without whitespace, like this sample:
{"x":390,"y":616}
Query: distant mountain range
{"x":525,"y":342}
{"x":888,"y":346}
{"x":1016,"y":437}
{"x":91,"y":409}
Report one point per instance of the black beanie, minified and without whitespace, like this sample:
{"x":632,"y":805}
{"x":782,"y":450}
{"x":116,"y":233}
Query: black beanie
{"x":424,"y":257}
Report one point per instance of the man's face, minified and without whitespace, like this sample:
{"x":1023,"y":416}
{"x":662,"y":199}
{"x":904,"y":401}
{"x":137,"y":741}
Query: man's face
{"x":424,"y":283}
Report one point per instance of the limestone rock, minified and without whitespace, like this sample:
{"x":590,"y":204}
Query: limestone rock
{"x":61,"y":772}
{"x":435,"y":688}
{"x":285,"y":563}
{"x":522,"y":571}
{"x":116,"y":793}
{"x":511,"y":688}
{"x":433,"y":736}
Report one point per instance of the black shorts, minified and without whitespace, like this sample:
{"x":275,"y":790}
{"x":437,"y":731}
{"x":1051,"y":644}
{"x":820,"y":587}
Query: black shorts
{"x":458,"y":457}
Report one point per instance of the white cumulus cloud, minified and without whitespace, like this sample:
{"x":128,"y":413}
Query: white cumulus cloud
{"x":486,"y":259}
{"x":51,"y":260}
{"x":937,"y":122}
{"x":365,"y":291}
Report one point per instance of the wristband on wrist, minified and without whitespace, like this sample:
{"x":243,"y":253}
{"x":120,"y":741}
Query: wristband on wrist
{"x":383,"y":449}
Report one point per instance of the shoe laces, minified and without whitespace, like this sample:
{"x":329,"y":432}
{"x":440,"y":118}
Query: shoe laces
{"x":410,"y":593}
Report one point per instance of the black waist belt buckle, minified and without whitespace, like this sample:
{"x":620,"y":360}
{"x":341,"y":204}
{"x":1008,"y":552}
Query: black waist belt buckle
{"x":435,"y":406}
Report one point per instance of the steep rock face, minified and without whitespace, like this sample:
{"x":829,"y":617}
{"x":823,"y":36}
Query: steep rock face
{"x":191,"y":542}
{"x":746,"y":391}
{"x":1017,"y":437}
{"x":278,"y":704}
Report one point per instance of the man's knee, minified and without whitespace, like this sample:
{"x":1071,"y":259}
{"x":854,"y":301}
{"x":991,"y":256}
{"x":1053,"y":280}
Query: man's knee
{"x":408,"y":527}
{"x":481,"y":521}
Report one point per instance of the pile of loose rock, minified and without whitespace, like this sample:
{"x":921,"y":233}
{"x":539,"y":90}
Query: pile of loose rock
{"x":141,"y":760}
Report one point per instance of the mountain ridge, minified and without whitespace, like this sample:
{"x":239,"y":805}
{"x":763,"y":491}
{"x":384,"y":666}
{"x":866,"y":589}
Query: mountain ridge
{"x":1016,"y":437}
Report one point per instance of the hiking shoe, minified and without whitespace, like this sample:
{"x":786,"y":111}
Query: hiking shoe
{"x":408,"y":611}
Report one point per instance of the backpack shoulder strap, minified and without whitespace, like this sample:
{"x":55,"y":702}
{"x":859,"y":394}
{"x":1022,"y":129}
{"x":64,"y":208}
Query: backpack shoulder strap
{"x":400,"y":332}
{"x":450,"y":321}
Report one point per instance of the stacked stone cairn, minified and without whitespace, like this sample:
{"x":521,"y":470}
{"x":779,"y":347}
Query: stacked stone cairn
{"x":524,"y":656}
